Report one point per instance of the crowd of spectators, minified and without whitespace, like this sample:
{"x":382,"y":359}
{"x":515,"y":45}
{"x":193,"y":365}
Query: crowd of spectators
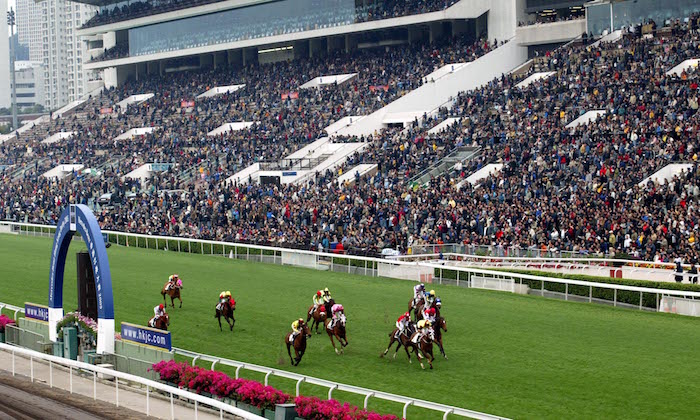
{"x":577,"y":189}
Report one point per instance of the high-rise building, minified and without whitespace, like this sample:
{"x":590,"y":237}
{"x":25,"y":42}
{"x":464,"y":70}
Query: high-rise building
{"x":5,"y":98}
{"x":48,"y":28}
{"x":30,"y":84}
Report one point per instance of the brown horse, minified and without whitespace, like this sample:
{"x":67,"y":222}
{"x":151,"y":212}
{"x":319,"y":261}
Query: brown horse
{"x":161,"y":323}
{"x":414,"y":307}
{"x":402,"y":340}
{"x":319,"y":316}
{"x":439,"y":326}
{"x":424,"y":349}
{"x":299,"y":344}
{"x":338,"y":331}
{"x":173,"y":292}
{"x":421,"y":307}
{"x":227,"y":312}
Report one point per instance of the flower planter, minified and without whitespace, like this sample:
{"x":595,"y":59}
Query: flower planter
{"x":285,"y":412}
{"x":250,"y":408}
{"x":269,"y":414}
{"x":2,"y":337}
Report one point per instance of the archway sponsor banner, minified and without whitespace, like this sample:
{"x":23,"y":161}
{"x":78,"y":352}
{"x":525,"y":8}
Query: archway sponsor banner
{"x":79,"y":218}
{"x":146,"y":336}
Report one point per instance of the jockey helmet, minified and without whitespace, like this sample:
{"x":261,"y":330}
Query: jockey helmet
{"x":319,"y":293}
{"x":432,"y":293}
{"x":428,"y":323}
{"x":175,"y":276}
{"x":431,"y":311}
{"x":407,"y":315}
{"x":421,"y":286}
{"x":438,"y":302}
{"x":326,"y":290}
{"x":228,"y":293}
{"x":301,"y":320}
{"x":161,"y":306}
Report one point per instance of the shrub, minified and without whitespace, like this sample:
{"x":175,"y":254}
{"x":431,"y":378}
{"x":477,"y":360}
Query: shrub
{"x":5,"y":321}
{"x":312,"y":408}
{"x":200,"y":380}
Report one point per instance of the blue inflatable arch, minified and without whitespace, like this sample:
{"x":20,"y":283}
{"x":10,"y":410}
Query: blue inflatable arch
{"x":79,"y":218}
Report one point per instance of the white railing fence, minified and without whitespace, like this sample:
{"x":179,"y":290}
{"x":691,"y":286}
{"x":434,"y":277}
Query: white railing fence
{"x":442,"y":272}
{"x":335,"y":386}
{"x":150,"y":386}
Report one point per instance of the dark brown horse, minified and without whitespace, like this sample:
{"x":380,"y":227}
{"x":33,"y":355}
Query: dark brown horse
{"x":440,"y":326}
{"x":414,"y":306}
{"x":424,"y":349}
{"x":227,"y":312}
{"x":329,"y":305}
{"x":173,"y":292}
{"x":299,"y":344}
{"x":402,"y":340}
{"x":338,"y":331}
{"x":161,"y":323}
{"x":319,"y":316}
{"x":421,"y":307}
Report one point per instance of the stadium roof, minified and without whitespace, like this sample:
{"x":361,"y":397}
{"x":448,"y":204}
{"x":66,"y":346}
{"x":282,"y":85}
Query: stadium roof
{"x":98,"y":3}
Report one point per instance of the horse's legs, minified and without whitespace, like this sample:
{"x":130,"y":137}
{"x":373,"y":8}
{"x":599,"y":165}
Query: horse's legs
{"x":392,"y":338}
{"x":289,"y":352}
{"x":298,"y":355}
{"x":219,"y":318}
{"x":330,"y":335}
{"x":180,"y":297}
{"x":229,"y":324}
{"x":442,"y":349}
{"x":172,"y":301}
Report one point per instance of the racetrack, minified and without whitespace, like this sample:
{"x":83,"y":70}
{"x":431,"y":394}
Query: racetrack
{"x":21,"y":405}
{"x":510,"y":355}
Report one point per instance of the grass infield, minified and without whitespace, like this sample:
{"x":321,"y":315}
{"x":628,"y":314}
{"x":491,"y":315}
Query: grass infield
{"x":510,"y":355}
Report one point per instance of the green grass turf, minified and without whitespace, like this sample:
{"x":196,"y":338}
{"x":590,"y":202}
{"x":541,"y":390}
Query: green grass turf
{"x":515,"y":356}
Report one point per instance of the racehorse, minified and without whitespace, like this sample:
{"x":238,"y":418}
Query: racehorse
{"x":421,"y":307}
{"x":299,"y":344}
{"x":424,"y":349}
{"x":329,"y":305}
{"x":161,"y":323}
{"x":173,"y":292}
{"x":414,"y":307}
{"x":338,"y":331}
{"x":402,"y":340}
{"x":227,"y":312}
{"x":439,"y":326}
{"x":319,"y":316}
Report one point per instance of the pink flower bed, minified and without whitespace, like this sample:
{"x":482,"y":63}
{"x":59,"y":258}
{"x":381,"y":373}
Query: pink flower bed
{"x":312,"y":408}
{"x":220,"y":385}
{"x":5,"y":321}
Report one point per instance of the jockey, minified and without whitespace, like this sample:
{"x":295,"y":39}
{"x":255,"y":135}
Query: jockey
{"x":318,"y":300}
{"x":438,"y":303}
{"x":158,"y":311}
{"x":336,"y":312}
{"x":326,"y":295}
{"x":418,"y":291}
{"x":225,"y":297}
{"x":296,"y":329}
{"x":429,"y":314}
{"x":402,"y":322}
{"x":172,"y":282}
{"x":430,"y":299}
{"x":423,"y":329}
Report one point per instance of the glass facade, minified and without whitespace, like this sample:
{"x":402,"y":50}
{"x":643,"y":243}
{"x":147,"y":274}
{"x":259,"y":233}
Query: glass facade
{"x":626,"y":13}
{"x":268,"y":19}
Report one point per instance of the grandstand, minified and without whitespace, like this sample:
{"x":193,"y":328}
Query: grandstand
{"x":378,"y":125}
